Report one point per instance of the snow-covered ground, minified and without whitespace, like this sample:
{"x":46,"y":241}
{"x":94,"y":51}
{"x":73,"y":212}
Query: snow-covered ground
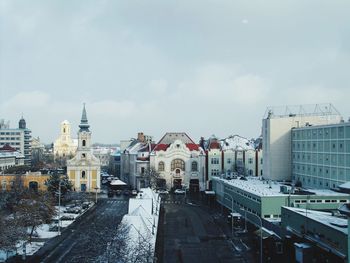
{"x":43,"y":232}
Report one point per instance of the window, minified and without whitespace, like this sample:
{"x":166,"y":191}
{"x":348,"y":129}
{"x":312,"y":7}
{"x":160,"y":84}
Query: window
{"x":214,"y":160}
{"x":83,"y":174}
{"x":177,"y":163}
{"x":250,"y":160}
{"x":229,"y":160}
{"x":161,"y":166}
{"x":83,"y":155}
{"x":142,"y":170}
{"x":194,"y":166}
{"x":84,"y":143}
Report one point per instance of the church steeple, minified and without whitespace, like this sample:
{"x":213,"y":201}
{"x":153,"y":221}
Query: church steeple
{"x":84,"y":125}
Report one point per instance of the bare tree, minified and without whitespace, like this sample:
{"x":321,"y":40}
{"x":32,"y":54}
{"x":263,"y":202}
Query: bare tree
{"x":33,"y":210}
{"x":153,"y":178}
{"x":10,"y":233}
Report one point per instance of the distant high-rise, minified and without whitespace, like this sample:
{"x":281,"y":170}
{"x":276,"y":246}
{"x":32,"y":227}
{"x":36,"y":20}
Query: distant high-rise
{"x":19,"y":139}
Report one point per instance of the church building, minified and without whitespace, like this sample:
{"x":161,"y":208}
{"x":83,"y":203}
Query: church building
{"x":65,"y":147}
{"x":84,"y":169}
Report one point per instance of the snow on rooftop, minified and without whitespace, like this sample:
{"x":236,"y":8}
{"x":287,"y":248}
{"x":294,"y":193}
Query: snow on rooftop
{"x":117,"y":182}
{"x":237,"y":142}
{"x":265,"y":188}
{"x":142,"y":217}
{"x":326,"y":218}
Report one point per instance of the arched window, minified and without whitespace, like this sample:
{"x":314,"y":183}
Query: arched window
{"x":161,"y":167}
{"x":64,"y":130}
{"x":83,"y":175}
{"x":194,"y":166}
{"x":177,"y":163}
{"x":84,"y":143}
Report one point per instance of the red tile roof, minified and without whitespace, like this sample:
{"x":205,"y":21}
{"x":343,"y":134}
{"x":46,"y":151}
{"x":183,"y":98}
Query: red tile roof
{"x":192,"y":146}
{"x":214,"y":145}
{"x":7,"y":148}
{"x":161,"y":147}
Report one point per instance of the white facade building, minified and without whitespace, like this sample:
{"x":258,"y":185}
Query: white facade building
{"x":180,"y":161}
{"x":276,"y":129}
{"x":65,"y":146}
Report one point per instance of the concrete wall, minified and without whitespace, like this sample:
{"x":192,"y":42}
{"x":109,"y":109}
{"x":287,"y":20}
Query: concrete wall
{"x":277,"y":142}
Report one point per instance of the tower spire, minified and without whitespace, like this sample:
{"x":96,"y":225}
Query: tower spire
{"x":84,"y":125}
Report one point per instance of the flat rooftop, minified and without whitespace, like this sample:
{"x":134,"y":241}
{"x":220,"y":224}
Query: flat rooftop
{"x":325,"y":218}
{"x":263,"y":188}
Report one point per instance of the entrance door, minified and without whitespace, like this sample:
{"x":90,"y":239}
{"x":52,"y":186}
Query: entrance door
{"x":177,"y":183}
{"x":194,"y":185}
{"x":83,"y":187}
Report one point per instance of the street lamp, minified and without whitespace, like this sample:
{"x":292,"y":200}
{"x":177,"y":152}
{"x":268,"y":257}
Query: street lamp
{"x":59,"y":208}
{"x":96,"y":188}
{"x":261,"y":239}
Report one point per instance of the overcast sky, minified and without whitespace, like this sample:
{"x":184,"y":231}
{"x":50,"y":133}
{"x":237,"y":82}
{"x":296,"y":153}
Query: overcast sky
{"x":203,"y":67}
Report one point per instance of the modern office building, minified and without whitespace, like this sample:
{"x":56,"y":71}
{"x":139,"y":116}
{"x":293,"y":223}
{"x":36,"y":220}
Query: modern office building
{"x":276,"y":130}
{"x":18,"y":138}
{"x":321,"y":155}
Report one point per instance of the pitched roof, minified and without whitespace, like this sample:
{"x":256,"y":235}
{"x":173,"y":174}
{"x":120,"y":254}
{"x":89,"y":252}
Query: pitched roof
{"x":170,"y":137}
{"x":161,"y":147}
{"x":192,"y":146}
{"x":7,"y":148}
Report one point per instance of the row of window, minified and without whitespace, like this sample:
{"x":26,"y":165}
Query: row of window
{"x":243,"y":193}
{"x":331,"y":183}
{"x":240,"y":205}
{"x":178,"y":164}
{"x":326,"y":159}
{"x":322,"y":146}
{"x":320,"y":201}
{"x":322,"y":171}
{"x":322,"y":133}
{"x":11,"y":143}
{"x":10,"y":133}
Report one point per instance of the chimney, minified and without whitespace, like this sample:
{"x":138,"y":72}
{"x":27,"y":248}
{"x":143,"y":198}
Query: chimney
{"x":141,"y":137}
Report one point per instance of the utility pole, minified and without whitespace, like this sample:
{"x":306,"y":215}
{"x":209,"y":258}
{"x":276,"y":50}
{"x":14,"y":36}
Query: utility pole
{"x":59,"y":207}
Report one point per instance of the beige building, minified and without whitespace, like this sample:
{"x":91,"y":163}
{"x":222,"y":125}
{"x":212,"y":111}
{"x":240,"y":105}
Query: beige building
{"x":65,"y":147}
{"x":84,"y":169}
{"x":276,"y":130}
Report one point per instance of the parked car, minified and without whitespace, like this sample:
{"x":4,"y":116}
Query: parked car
{"x":164,"y":192}
{"x":180,"y":191}
{"x":85,"y":205}
{"x":118,"y":192}
{"x":74,"y":210}
{"x":126,"y":192}
{"x":110,"y":194}
{"x":67,"y":218}
{"x":134,"y":192}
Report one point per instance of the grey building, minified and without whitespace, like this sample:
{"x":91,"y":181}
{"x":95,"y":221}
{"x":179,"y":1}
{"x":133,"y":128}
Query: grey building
{"x":321,"y":155}
{"x":18,"y":138}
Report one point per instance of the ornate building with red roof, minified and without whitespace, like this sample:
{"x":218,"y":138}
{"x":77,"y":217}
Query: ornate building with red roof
{"x":180,"y":161}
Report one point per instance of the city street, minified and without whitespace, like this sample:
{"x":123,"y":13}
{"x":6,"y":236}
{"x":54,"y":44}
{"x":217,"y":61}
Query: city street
{"x":85,"y":240}
{"x":193,"y":233}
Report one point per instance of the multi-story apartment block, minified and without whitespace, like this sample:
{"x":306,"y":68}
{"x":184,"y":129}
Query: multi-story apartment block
{"x":19,"y":139}
{"x":276,"y":130}
{"x":321,"y":155}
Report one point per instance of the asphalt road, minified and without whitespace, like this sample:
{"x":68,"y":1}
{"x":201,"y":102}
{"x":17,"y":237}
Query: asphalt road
{"x":87,"y":239}
{"x":191,"y":234}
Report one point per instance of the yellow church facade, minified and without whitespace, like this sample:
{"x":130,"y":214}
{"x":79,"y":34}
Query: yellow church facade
{"x":84,"y":170}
